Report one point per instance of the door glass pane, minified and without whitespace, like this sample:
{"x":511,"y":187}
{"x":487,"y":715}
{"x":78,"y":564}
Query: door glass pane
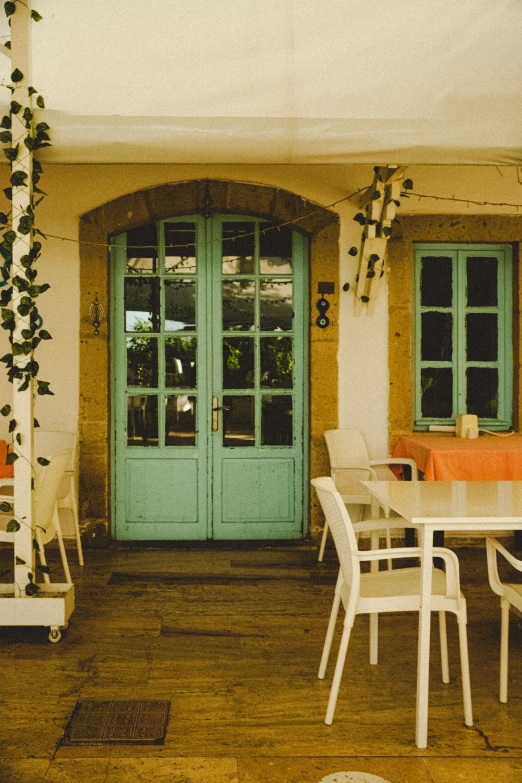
{"x":142,"y":250}
{"x":481,"y":337}
{"x":142,"y":420}
{"x":238,"y":421}
{"x":180,"y":362}
{"x":437,"y":392}
{"x":142,"y":305}
{"x":276,"y":420}
{"x":482,"y":276}
{"x":275,"y":250}
{"x":275,"y":305}
{"x":238,"y":362}
{"x":436,"y":336}
{"x":180,"y":305}
{"x":436,"y":281}
{"x":482,"y":392}
{"x":142,"y":361}
{"x":238,"y":248}
{"x":180,"y":420}
{"x":238,"y":305}
{"x":276,"y":362}
{"x":180,"y":248}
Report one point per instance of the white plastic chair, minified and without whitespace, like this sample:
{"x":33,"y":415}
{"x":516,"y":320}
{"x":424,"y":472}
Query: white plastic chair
{"x":397,"y":590}
{"x":510,"y":595}
{"x":350,"y":464}
{"x":47,"y":522}
{"x":46,"y":444}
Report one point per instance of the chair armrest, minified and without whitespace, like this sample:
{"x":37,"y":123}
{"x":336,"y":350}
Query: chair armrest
{"x":449,"y":557}
{"x":370,"y":471}
{"x":383,"y":523}
{"x":6,"y":482}
{"x":492,"y":542}
{"x":398,"y":461}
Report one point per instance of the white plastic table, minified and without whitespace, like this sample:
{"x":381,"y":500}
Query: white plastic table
{"x":445,"y":505}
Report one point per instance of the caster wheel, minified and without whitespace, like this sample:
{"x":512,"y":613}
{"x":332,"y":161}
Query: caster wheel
{"x":55,"y":635}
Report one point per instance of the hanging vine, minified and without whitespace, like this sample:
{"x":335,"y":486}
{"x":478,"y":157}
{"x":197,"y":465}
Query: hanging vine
{"x":20,"y":291}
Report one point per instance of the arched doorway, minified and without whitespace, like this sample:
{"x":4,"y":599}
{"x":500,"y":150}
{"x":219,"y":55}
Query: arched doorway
{"x":216,"y":201}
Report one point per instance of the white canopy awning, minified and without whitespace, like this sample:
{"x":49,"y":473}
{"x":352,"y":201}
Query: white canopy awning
{"x":281,"y":81}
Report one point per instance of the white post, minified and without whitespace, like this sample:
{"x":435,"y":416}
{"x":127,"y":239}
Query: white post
{"x":21,"y":201}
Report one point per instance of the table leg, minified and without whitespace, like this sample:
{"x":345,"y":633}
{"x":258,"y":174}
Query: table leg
{"x":423,"y":656}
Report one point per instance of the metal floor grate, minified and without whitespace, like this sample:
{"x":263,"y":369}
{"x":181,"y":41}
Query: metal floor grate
{"x":96,"y":722}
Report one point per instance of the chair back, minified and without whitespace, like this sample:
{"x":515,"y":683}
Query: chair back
{"x":47,"y":443}
{"x":347,"y":449}
{"x":342,"y":531}
{"x":47,"y":484}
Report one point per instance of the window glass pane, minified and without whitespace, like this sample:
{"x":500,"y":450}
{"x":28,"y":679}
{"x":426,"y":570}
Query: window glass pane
{"x":180,"y":420}
{"x":142,"y":361}
{"x":481,"y":274}
{"x":180,"y":362}
{"x":141,"y":250}
{"x":275,"y":305}
{"x":238,"y":362}
{"x":481,"y":337}
{"x":180,"y":248}
{"x":180,"y":305}
{"x":436,"y":281}
{"x":276,"y":362}
{"x":276,"y":420}
{"x":238,"y":305}
{"x":238,"y":421}
{"x":142,"y":420}
{"x":142,"y":305}
{"x":238,"y":248}
{"x":275,"y":249}
{"x":437,"y":392}
{"x":436,"y":336}
{"x":482,"y":392}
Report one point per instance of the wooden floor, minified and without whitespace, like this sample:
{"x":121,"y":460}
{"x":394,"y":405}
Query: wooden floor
{"x":232,"y":636}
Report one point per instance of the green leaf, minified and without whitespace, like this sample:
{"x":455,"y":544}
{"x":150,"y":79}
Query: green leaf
{"x":6,"y":122}
{"x":25,"y":225}
{"x":371,"y":273}
{"x":42,"y":126}
{"x":12,"y":425}
{"x":15,"y":107}
{"x":4,"y":218}
{"x":7,"y":315}
{"x":36,"y":545}
{"x":10,"y":153}
{"x":365,"y":298}
{"x":9,"y":8}
{"x":36,"y":423}
{"x":19,"y":439}
{"x":42,"y":461}
{"x":19,"y":561}
{"x":29,"y":142}
{"x":43,"y":388}
{"x":6,"y":137}
{"x":353,"y":251}
{"x":376,"y":195}
{"x":31,"y":589}
{"x":35,"y":16}
{"x":44,"y":334}
{"x":13,"y":526}
{"x":31,"y":91}
{"x":8,"y":46}
{"x":28,"y":114}
{"x":8,"y":193}
{"x":5,"y":411}
{"x":11,"y":458}
{"x":359,"y":218}
{"x":17,"y":75}
{"x":9,"y":237}
{"x":18,"y":179}
{"x":407,"y":184}
{"x":7,"y":508}
{"x":43,"y":569}
{"x":374,"y":258}
{"x":387,"y":231}
{"x":40,"y":102}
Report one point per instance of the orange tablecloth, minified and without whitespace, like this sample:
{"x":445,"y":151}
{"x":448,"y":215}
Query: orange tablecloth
{"x":444,"y":457}
{"x":6,"y":471}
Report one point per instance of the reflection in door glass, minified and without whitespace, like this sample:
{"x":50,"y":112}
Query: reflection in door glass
{"x":275,"y":249}
{"x":238,"y":362}
{"x":180,"y":248}
{"x":436,"y":281}
{"x":437,"y":392}
{"x":276,"y":420}
{"x":238,"y":421}
{"x":481,"y":337}
{"x":180,"y":420}
{"x":142,"y":420}
{"x":275,"y":305}
{"x":238,"y":248}
{"x":141,"y":250}
{"x":482,"y":392}
{"x":238,"y":305}
{"x":180,"y":362}
{"x":180,"y":305}
{"x":276,"y":362}
{"x":436,"y":336}
{"x":142,"y":305}
{"x":482,"y":284}
{"x":142,"y":361}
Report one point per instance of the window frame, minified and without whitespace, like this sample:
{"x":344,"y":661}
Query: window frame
{"x":458,"y":252}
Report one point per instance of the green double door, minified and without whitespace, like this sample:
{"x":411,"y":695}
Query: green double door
{"x":209,"y":377}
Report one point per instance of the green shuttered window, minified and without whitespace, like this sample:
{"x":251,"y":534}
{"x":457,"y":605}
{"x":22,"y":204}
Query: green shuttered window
{"x":463,"y":334}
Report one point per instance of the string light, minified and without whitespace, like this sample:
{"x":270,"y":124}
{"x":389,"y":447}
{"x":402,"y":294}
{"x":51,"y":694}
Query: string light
{"x":467,"y":201}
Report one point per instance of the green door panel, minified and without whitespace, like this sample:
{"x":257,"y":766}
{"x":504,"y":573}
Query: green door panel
{"x":209,"y":368}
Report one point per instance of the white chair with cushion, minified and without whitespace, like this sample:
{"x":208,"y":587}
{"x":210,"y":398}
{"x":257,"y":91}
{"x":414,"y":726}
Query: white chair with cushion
{"x":396,"y":590}
{"x":510,"y":595}
{"x":350,"y":464}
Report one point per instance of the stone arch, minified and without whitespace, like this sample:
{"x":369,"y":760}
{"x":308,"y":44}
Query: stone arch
{"x":172,"y":200}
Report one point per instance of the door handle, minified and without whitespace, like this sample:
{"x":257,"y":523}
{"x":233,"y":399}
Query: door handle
{"x":216,"y":407}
